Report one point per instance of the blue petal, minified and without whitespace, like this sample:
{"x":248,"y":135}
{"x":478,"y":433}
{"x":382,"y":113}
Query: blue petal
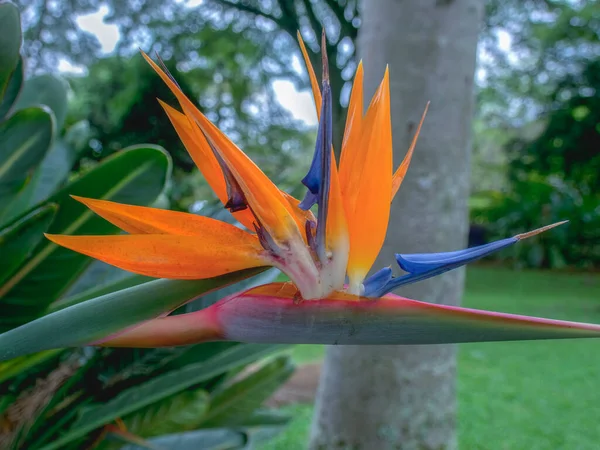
{"x":420,"y":263}
{"x":317,"y":180}
{"x":324,"y":141}
{"x":309,"y":200}
{"x":376,"y":281}
{"x":421,"y":266}
{"x":312,"y":180}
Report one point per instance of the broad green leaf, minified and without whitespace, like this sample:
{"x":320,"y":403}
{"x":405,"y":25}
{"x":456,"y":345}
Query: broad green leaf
{"x":48,"y":90}
{"x":53,"y":170}
{"x":206,"y":300}
{"x":12,"y":89}
{"x":25,"y":137}
{"x":161,"y":387}
{"x":98,"y":291}
{"x":181,"y":412}
{"x":216,"y":439}
{"x":10,"y":42}
{"x":95,"y":319}
{"x":213,"y":439}
{"x":238,"y":401}
{"x":136,"y":176}
{"x":18,"y":240}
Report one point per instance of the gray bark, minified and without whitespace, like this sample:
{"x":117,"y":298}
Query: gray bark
{"x":395,"y":397}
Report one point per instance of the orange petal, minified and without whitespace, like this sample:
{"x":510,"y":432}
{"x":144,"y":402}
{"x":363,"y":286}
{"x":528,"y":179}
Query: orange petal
{"x":144,"y":220}
{"x":264,"y":198}
{"x":352,"y":133}
{"x":337,"y":237}
{"x":168,"y":256}
{"x":337,"y":227}
{"x":198,"y":148}
{"x":368,"y":193}
{"x":400,"y":173}
{"x":301,"y":215}
{"x":314,"y":84}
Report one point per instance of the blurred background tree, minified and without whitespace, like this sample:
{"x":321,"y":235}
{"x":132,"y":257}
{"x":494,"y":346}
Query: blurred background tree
{"x":538,"y":123}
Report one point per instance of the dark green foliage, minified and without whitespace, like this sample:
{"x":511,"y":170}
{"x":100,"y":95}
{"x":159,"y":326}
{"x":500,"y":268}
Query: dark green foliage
{"x":539,"y":201}
{"x":569,"y":145}
{"x":540,"y":103}
{"x":118,"y":99}
{"x":555,"y":176}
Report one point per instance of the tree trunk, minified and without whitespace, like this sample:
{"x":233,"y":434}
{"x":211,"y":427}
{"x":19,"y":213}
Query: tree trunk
{"x":395,"y":397}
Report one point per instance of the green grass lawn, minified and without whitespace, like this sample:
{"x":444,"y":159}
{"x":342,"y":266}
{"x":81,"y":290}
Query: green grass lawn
{"x":535,"y":395}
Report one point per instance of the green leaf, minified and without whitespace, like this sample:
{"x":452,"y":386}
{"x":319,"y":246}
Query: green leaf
{"x":238,"y":401}
{"x":181,"y":412}
{"x":219,"y":439}
{"x":94,"y":319}
{"x":18,"y":240}
{"x":136,"y":176}
{"x":10,"y":42}
{"x":25,"y":137}
{"x":98,"y":291}
{"x":73,"y":387}
{"x":48,"y":90}
{"x":12,"y":89}
{"x":265,"y":418}
{"x":141,"y":396}
{"x":53,"y":170}
{"x":199,"y":352}
{"x":14,"y":367}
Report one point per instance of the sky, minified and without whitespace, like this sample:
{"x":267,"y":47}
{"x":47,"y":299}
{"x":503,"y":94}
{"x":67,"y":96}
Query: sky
{"x":299,"y":103}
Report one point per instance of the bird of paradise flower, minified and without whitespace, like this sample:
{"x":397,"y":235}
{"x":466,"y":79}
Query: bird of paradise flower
{"x":318,"y":254}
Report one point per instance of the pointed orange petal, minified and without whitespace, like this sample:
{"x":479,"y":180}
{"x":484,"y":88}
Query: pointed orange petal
{"x":337,"y":237}
{"x":336,"y":218}
{"x":264,"y":198}
{"x":353,"y":132}
{"x":314,"y":84}
{"x":368,"y":203}
{"x":401,"y":171}
{"x":301,"y":216}
{"x":144,"y":220}
{"x":198,"y":148}
{"x":168,"y":256}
